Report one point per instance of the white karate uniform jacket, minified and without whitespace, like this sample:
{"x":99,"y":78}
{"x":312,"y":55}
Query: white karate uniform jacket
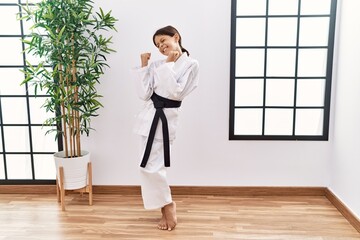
{"x":173,"y":80}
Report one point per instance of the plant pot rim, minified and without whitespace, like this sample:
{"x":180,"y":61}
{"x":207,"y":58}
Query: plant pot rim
{"x":61,"y":154}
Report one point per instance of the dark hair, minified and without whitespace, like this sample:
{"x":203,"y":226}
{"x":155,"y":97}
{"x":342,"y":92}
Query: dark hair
{"x":170,"y":31}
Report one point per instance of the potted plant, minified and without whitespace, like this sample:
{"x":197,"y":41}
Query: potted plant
{"x":67,"y":38}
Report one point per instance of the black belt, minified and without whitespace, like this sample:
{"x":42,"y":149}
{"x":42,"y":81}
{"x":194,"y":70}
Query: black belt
{"x":159,"y":104}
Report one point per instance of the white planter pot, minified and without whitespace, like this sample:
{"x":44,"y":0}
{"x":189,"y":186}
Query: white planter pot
{"x":75,"y":169}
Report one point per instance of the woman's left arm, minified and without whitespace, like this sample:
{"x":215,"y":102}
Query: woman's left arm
{"x":177,"y":82}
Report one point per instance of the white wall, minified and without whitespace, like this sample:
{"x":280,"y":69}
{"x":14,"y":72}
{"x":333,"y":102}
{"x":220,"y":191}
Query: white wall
{"x":202,"y":153}
{"x":345,"y":161}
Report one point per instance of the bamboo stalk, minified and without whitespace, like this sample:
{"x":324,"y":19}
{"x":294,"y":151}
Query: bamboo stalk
{"x":74,"y":132}
{"x":63,"y":109}
{"x":78,"y":125}
{"x":76,"y":99}
{"x":63,"y":114}
{"x":69,"y":113}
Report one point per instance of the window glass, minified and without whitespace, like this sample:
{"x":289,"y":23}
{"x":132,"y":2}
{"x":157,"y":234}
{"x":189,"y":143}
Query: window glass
{"x":310,"y":92}
{"x":248,"y":121}
{"x":283,"y":7}
{"x":33,"y":60}
{"x":20,"y":143}
{"x":249,"y":62}
{"x":281,"y":62}
{"x":30,"y":1}
{"x":310,"y":7}
{"x":1,"y":143}
{"x":253,"y":7}
{"x":249,"y":92}
{"x":18,"y":166}
{"x":282,"y":31}
{"x":2,"y":169}
{"x":10,"y":49}
{"x":280,"y":92}
{"x":312,"y":62}
{"x":252,"y":32}
{"x":43,"y":142}
{"x":309,"y":122}
{"x":10,"y":81}
{"x":12,"y":116}
{"x":12,"y":26}
{"x":314,"y":31}
{"x":38,"y":113}
{"x":278,"y":121}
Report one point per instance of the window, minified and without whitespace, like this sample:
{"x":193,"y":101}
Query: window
{"x":26,"y":153}
{"x":281,"y":69}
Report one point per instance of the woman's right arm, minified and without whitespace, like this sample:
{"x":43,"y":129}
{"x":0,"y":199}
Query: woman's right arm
{"x":144,"y":78}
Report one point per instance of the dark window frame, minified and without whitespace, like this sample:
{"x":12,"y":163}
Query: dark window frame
{"x":29,"y":125}
{"x":328,"y":77}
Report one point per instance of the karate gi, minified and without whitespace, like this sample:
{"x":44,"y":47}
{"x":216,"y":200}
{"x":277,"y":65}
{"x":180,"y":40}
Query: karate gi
{"x":173,"y":80}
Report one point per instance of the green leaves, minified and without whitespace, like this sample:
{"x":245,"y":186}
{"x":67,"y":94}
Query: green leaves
{"x":106,"y":20}
{"x":69,"y":36}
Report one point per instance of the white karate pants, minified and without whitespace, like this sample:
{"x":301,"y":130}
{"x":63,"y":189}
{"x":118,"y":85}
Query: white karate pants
{"x":155,"y":190}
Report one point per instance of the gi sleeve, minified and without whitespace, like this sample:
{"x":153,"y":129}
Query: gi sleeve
{"x":144,"y":81}
{"x":177,"y":81}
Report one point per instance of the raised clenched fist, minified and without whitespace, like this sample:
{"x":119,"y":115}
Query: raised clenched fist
{"x":145,"y":57}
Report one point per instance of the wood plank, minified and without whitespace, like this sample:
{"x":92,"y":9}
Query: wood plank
{"x":202,"y":190}
{"x":181,"y":190}
{"x":117,"y":216}
{"x":24,"y":189}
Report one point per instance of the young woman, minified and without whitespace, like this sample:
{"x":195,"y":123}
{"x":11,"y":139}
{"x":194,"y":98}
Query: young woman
{"x":162,"y":85}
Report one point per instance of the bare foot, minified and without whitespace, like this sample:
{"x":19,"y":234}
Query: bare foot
{"x":170,"y":215}
{"x":162,"y":225}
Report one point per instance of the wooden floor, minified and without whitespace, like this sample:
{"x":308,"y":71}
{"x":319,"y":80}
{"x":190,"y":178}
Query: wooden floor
{"x":112,"y":216}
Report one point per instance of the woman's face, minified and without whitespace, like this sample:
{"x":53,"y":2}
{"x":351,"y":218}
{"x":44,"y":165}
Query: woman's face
{"x":165,"y":43}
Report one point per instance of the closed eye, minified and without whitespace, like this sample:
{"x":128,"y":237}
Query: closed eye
{"x":161,"y":41}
